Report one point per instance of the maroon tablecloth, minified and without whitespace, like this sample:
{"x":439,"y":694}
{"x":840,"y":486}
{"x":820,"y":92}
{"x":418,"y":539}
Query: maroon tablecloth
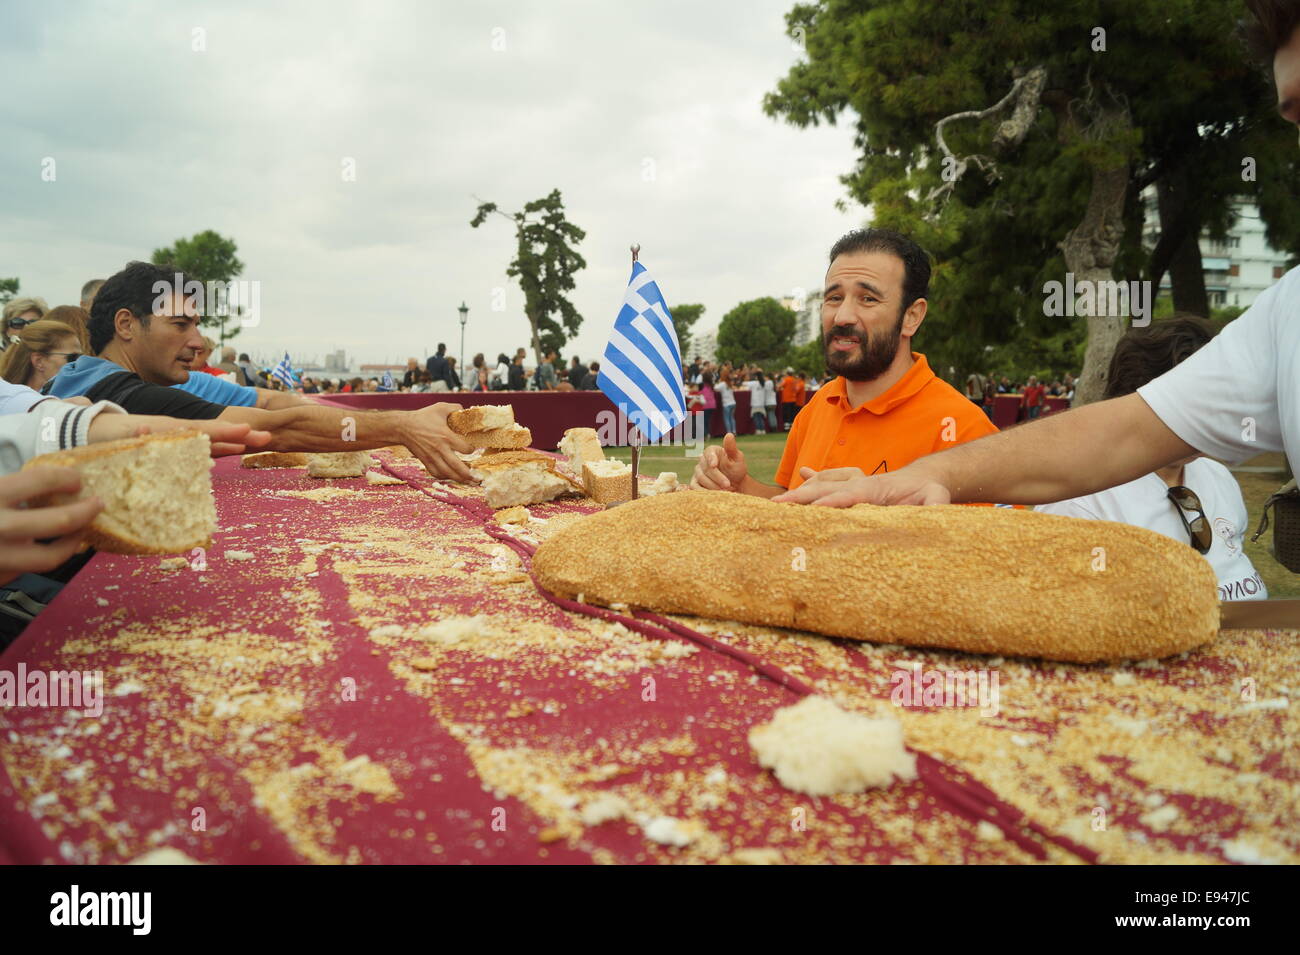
{"x":547,"y":414}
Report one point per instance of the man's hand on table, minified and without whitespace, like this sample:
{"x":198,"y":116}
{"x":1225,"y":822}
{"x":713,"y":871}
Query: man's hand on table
{"x":721,"y":467}
{"x":426,"y":434}
{"x":35,"y":539}
{"x":844,"y":487}
{"x":227,"y":437}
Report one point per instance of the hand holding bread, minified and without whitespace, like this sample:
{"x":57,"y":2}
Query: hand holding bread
{"x":428,"y":436}
{"x":36,"y":538}
{"x":721,"y":468}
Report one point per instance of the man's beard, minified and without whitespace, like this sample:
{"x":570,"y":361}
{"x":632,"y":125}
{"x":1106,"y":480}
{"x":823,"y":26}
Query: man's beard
{"x":875,"y":354}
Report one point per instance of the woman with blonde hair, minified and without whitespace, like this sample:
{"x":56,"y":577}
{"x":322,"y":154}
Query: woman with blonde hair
{"x":40,"y":352}
{"x":17,"y":315}
{"x":77,"y":318}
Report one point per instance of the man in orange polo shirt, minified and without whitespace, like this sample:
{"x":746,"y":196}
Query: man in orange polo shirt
{"x":885,"y":408}
{"x":788,"y":407}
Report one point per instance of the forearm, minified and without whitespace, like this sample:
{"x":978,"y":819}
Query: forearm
{"x":1067,"y":455}
{"x":758,"y":488}
{"x":278,"y":400}
{"x":313,"y":427}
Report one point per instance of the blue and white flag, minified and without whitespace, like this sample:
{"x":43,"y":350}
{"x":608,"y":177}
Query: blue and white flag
{"x":283,"y":373}
{"x":642,"y":368}
{"x":387,"y":384}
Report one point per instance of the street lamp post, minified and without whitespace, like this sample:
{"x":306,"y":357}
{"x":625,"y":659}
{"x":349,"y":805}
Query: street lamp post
{"x":464,"y":317}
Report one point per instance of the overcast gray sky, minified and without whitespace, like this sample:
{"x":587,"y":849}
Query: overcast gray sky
{"x":647,"y":116}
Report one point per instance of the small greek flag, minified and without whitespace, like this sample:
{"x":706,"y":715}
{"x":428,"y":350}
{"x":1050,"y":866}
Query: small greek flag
{"x":284,"y":373}
{"x":642,"y":368}
{"x":388,"y":384}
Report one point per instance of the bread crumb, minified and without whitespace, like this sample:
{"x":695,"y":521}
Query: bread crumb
{"x":817,"y":748}
{"x":604,"y":808}
{"x":512,"y":515}
{"x":374,"y":478}
{"x":668,"y":831}
{"x":989,"y":832}
{"x":1123,"y":678}
{"x":455,"y":629}
{"x":239,"y":555}
{"x":1159,"y":818}
{"x":173,"y":563}
{"x":164,"y":856}
{"x":753,"y":857}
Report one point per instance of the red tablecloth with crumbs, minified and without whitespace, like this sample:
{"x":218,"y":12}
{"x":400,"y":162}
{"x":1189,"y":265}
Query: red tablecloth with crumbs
{"x":297,"y":694}
{"x":547,"y":414}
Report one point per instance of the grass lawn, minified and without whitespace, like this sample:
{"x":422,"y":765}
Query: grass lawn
{"x":763,"y":455}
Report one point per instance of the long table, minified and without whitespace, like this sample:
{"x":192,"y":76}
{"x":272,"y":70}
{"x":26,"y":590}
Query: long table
{"x":310,"y":689}
{"x":545,"y":413}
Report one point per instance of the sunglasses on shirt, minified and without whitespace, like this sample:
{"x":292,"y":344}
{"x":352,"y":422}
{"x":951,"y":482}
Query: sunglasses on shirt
{"x":1198,"y":528}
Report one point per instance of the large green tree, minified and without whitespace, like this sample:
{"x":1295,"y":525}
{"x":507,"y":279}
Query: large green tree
{"x":545,"y":262}
{"x":8,"y":290}
{"x":756,"y":331}
{"x":684,"y":319}
{"x":206,"y":257}
{"x":1054,"y":119}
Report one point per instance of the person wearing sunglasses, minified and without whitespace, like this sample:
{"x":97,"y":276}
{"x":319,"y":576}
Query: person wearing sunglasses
{"x":17,"y":315}
{"x":1194,"y":499}
{"x":41,"y":351}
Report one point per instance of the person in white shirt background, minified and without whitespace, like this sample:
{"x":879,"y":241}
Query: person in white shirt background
{"x":757,"y":402}
{"x":728,"y":399}
{"x":769,"y":399}
{"x":1193,"y":499}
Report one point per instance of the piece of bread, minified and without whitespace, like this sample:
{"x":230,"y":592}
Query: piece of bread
{"x":481,"y":418}
{"x":522,"y":483}
{"x":276,"y":459}
{"x":156,"y":490}
{"x":581,"y":445}
{"x":339,"y":464}
{"x":665,"y":483}
{"x":607,"y":481}
{"x":975,"y":579}
{"x":515,"y":436}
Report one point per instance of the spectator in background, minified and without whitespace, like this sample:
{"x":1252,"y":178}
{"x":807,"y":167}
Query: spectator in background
{"x":252,"y":377}
{"x":576,"y":373}
{"x":589,"y":379}
{"x":229,"y":367}
{"x":88,"y":293}
{"x":437,"y":368}
{"x":727,"y":398}
{"x":75,"y":317}
{"x":990,"y":394}
{"x":500,"y":379}
{"x":693,"y":371}
{"x":788,"y":406}
{"x":518,"y":379}
{"x":412,"y":374}
{"x":546,"y":378}
{"x":41,"y":351}
{"x":17,"y":315}
{"x":1033,"y":398}
{"x":200,"y":362}
{"x":769,"y":399}
{"x":757,"y":402}
{"x":975,"y":387}
{"x":708,"y":401}
{"x":453,"y":377}
{"x":800,"y":392}
{"x":478,"y":379}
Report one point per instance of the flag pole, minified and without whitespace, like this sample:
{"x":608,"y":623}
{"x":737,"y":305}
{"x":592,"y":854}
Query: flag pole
{"x":636,"y":432}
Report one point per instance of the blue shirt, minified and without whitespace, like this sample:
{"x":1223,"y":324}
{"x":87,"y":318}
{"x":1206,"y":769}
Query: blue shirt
{"x":218,"y":390}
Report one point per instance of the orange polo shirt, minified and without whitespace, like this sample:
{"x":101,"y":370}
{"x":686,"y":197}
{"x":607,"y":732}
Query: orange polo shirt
{"x":919,"y":415}
{"x":787,"y":389}
{"x":800,"y":392}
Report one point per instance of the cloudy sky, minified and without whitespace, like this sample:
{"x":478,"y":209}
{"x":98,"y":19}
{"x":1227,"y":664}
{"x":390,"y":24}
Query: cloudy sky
{"x":646,"y":116}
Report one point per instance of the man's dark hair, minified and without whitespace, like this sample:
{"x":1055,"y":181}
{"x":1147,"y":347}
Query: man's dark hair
{"x":132,"y":289}
{"x":1269,"y":26}
{"x":243,"y":356}
{"x":1144,"y":354}
{"x":916,"y":264}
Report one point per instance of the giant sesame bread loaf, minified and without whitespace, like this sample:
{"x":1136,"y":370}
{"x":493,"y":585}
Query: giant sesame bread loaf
{"x":980,"y":580}
{"x":156,"y":490}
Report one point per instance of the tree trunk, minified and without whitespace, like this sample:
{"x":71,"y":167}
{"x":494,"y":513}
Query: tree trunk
{"x":1180,"y":220}
{"x":1090,"y":250}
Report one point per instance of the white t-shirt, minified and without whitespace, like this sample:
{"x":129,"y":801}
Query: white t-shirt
{"x":1239,"y":396}
{"x":1145,"y":503}
{"x":756,"y":400}
{"x":724,"y":392}
{"x":769,"y":393}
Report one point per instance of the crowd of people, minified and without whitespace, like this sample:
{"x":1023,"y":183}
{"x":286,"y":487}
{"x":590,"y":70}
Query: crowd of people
{"x":984,"y":389}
